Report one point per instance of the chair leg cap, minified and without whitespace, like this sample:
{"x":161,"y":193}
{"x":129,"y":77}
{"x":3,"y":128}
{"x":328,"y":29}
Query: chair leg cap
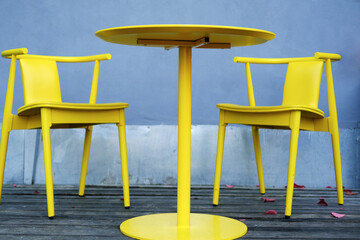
{"x":82,"y":195}
{"x":215,"y":205}
{"x":287,"y":217}
{"x":127,"y":207}
{"x":51,"y":218}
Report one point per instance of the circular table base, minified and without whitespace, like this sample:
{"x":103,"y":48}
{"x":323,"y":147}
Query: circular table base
{"x":202,"y":226}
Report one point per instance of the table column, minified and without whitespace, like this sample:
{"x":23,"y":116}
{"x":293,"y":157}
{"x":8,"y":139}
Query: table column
{"x":184,"y":138}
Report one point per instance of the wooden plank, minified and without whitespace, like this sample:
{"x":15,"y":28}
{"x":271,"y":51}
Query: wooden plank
{"x":99,"y":214}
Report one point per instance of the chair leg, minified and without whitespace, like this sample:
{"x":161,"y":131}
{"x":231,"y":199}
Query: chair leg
{"x":3,"y":151}
{"x":123,"y":157}
{"x":294,"y":139}
{"x":337,"y":164}
{"x":45,"y":127}
{"x":256,"y":140}
{"x":334,"y":130}
{"x":219,"y":158}
{"x":85,"y":160}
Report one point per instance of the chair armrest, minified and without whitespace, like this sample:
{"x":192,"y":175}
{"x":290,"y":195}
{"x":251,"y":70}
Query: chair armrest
{"x":17,"y":51}
{"x":331,"y":56}
{"x":270,"y":60}
{"x":317,"y":55}
{"x":101,"y":57}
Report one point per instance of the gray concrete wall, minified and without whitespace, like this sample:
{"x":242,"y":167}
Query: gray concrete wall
{"x":146,"y":78}
{"x":152,"y":156}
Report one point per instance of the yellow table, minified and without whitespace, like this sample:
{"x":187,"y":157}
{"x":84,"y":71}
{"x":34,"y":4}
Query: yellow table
{"x":183,"y":224}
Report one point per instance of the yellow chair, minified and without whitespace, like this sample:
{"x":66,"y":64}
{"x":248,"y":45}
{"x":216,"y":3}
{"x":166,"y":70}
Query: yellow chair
{"x":44,"y":109}
{"x":299,"y":111}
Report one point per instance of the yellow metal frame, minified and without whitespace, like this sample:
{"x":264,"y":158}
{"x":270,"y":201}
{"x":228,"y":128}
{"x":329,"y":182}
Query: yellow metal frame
{"x":199,"y":43}
{"x":294,"y":117}
{"x":37,"y":114}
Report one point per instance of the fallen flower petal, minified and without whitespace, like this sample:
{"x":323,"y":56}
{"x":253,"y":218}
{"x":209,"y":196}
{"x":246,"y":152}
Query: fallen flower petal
{"x":14,"y":185}
{"x":73,"y":207}
{"x":122,"y":199}
{"x":229,"y":186}
{"x":328,"y":187}
{"x":341,"y":208}
{"x":257,"y":185}
{"x":36,"y":192}
{"x":351,"y":193}
{"x":269,"y":200}
{"x":299,"y":186}
{"x":337,"y":215}
{"x":196,"y":198}
{"x":322,"y":202}
{"x":242,"y":220}
{"x":271,"y":212}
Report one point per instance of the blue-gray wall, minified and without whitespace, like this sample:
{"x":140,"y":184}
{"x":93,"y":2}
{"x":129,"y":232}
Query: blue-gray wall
{"x":146,"y":78}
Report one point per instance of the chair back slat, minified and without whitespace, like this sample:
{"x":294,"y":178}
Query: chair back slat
{"x":302,"y":83}
{"x":40,"y":81}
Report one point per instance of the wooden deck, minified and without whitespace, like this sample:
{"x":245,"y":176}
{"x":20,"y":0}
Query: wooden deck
{"x":23,"y":212}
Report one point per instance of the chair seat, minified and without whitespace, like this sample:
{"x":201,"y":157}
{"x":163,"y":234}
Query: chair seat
{"x":305,"y":110}
{"x":33,"y":109}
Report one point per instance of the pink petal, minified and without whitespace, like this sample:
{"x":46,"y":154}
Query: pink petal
{"x":36,"y":192}
{"x":242,"y":220}
{"x":328,"y":187}
{"x":337,"y":215}
{"x":322,"y":202}
{"x":257,"y":185}
{"x":230,"y":186}
{"x":73,"y":207}
{"x":271,"y":212}
{"x":196,"y":198}
{"x":122,"y":199}
{"x":341,"y":208}
{"x":14,"y":185}
{"x":299,"y":186}
{"x":269,"y":200}
{"x":351,"y":193}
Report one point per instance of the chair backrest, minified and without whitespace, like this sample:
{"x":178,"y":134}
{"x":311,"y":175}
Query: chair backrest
{"x":40,"y":76}
{"x":40,"y":80}
{"x":302,"y":83}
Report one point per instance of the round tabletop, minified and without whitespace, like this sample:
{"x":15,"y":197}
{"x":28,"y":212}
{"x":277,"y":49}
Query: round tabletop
{"x":204,"y":36}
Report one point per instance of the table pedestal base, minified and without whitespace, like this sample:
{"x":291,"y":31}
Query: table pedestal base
{"x":164,"y":226}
